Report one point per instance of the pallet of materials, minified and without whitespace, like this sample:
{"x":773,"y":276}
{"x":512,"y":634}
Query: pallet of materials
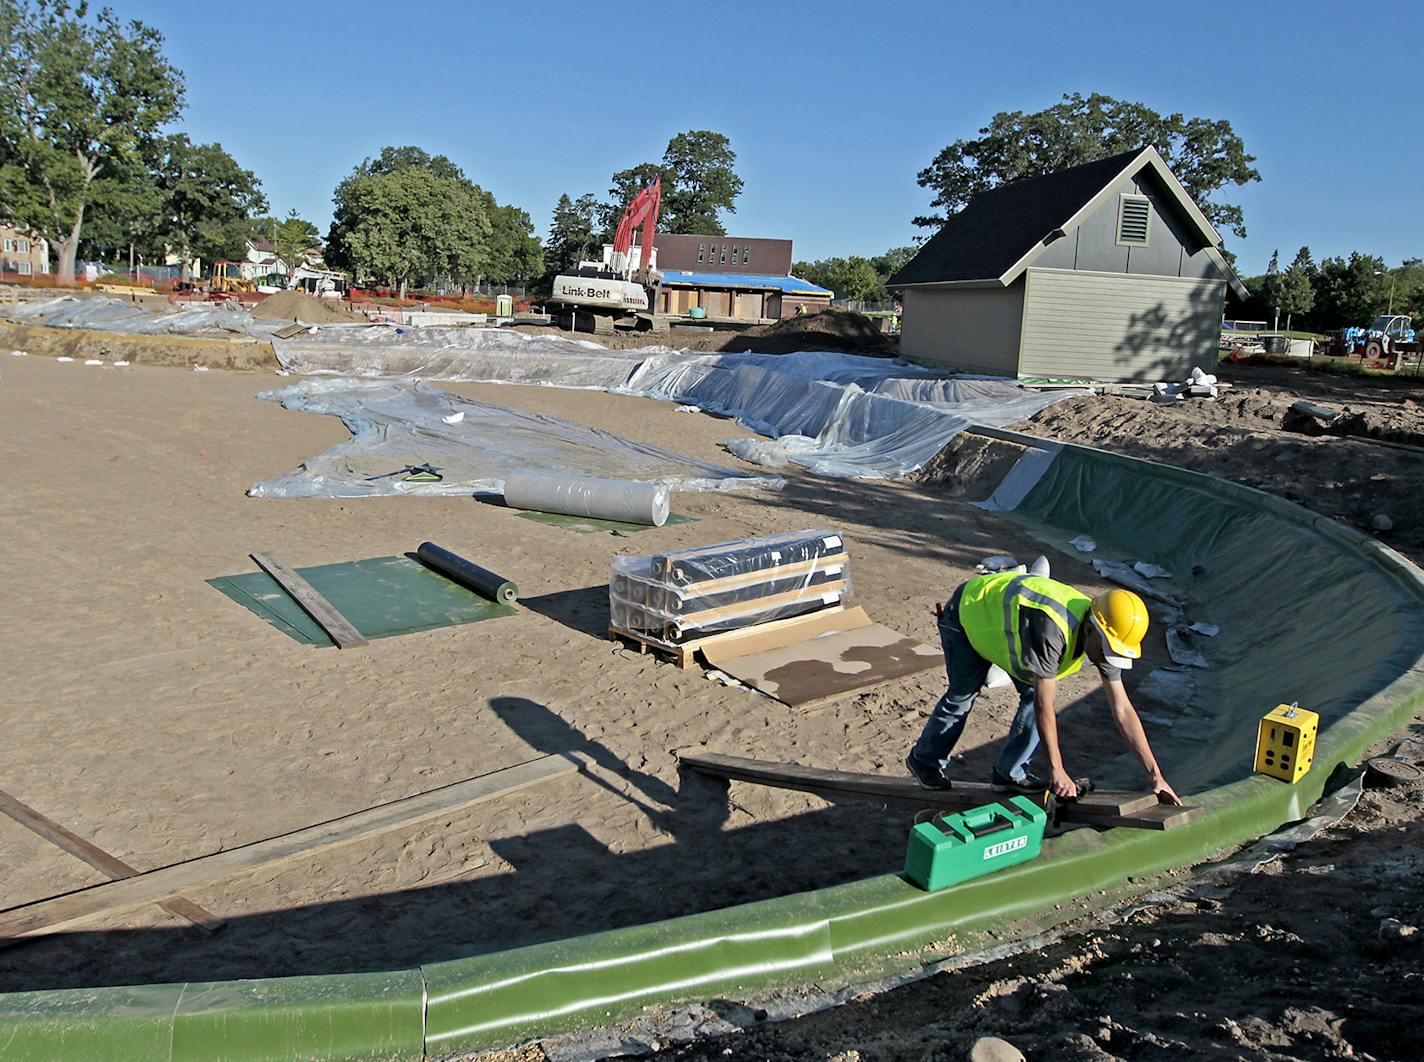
{"x":768,"y":611}
{"x":673,"y":597}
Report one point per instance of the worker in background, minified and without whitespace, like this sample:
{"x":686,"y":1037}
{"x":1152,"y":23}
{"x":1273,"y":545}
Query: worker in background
{"x":1038,"y":631}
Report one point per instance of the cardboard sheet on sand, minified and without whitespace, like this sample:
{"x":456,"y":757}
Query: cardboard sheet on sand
{"x":826,"y":657}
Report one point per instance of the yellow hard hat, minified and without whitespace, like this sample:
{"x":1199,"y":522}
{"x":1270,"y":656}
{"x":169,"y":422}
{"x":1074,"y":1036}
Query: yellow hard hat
{"x":1121,"y":618}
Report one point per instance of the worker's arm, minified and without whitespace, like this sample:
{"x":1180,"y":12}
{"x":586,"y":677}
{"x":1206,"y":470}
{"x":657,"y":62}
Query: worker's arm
{"x":1130,"y":726}
{"x":1044,"y":691}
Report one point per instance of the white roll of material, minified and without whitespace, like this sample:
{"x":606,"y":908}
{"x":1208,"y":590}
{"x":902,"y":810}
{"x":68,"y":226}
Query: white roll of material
{"x":603,"y":499}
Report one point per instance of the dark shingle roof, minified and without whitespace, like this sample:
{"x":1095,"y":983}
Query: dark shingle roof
{"x":999,"y":227}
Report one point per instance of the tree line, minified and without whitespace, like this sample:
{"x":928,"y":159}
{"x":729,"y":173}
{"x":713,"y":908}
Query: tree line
{"x":88,"y":162}
{"x":1335,"y":293}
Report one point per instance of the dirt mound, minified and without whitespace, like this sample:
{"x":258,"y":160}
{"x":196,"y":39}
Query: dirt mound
{"x":297,"y":306}
{"x":831,"y":329}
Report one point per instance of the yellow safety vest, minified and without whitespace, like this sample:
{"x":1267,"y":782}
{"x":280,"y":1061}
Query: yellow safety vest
{"x":990,"y":613}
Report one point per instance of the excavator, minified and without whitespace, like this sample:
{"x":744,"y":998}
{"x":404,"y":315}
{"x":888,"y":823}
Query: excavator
{"x":623,"y":287}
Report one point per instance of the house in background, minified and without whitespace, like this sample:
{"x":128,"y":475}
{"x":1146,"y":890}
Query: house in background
{"x":22,"y":253}
{"x":733,"y":278}
{"x":1104,"y":271}
{"x":261,"y":259}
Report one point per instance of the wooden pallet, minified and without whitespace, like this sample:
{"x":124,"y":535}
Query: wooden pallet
{"x":1098,"y":808}
{"x":684,"y":654}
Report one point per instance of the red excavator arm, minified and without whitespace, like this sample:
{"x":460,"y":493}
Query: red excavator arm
{"x":643,"y":210}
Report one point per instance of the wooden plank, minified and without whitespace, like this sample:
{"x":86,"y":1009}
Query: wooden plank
{"x":767,"y":575}
{"x":69,"y":910}
{"x":755,"y":638}
{"x":337,"y":626}
{"x":99,"y":859}
{"x":1104,"y":807}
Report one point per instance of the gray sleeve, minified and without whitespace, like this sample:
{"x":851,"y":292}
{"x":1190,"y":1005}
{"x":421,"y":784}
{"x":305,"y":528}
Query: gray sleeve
{"x":1043,"y":643}
{"x":1108,"y":672}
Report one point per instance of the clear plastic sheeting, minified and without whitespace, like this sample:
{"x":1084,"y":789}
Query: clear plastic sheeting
{"x":121,"y":315}
{"x":675,"y":596}
{"x":404,"y":435}
{"x":840,"y":415}
{"x":602,"y":499}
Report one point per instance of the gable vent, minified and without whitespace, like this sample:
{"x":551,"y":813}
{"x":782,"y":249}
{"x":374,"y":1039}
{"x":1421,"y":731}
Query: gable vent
{"x":1134,"y":216}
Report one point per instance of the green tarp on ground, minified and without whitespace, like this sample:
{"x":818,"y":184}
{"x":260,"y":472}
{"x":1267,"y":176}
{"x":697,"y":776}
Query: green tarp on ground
{"x":381,"y":597}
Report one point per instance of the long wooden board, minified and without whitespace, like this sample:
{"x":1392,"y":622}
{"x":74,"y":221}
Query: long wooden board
{"x":69,"y":910}
{"x":99,"y":859}
{"x":337,"y":626}
{"x":1099,"y":808}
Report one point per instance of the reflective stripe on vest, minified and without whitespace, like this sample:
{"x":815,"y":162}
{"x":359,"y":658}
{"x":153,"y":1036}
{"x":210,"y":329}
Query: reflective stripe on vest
{"x":989,"y":612}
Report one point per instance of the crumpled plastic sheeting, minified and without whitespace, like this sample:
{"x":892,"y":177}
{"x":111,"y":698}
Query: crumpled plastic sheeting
{"x":120,"y":315}
{"x":840,"y":415}
{"x":395,"y":425}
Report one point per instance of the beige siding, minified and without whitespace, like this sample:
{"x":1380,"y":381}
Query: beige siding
{"x":1119,"y":327}
{"x":976,"y":329}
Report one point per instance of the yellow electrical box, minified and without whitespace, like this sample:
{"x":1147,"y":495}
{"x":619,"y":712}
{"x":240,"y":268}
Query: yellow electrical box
{"x":1285,"y":745}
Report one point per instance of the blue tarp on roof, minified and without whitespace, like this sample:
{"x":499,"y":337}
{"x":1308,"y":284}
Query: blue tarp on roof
{"x":741,"y":280}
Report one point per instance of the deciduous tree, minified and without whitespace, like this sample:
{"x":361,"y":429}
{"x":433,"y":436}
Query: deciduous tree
{"x":79,"y":94}
{"x":209,"y":200}
{"x":700,"y":183}
{"x":1205,"y":153}
{"x":407,"y":216}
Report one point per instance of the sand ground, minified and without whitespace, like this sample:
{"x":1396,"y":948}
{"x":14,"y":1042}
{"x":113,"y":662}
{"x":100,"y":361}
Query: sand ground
{"x":153,"y":716}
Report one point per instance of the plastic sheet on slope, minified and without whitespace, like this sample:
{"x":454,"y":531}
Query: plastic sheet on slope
{"x":840,"y":415}
{"x":399,"y":425}
{"x":120,"y":315}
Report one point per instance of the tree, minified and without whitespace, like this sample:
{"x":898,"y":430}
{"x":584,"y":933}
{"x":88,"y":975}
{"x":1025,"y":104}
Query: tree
{"x":853,"y":278}
{"x":125,"y":210}
{"x":1205,"y":154}
{"x":208,"y":200}
{"x":515,"y":254}
{"x":572,"y":234}
{"x":409,"y":217}
{"x":700,"y":183}
{"x":1350,"y":291}
{"x":1295,"y":292}
{"x":293,"y":237}
{"x":78,"y":97}
{"x":893,"y":260}
{"x":1271,"y":286}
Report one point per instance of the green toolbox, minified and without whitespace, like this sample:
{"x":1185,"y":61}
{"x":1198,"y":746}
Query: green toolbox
{"x":953,"y":848}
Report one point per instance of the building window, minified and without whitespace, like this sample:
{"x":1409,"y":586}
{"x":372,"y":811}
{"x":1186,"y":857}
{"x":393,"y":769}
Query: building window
{"x":736,"y":250}
{"x":746,"y":254}
{"x":24,"y":268}
{"x":701,"y":250}
{"x":23,"y":246}
{"x":724,"y":254}
{"x":1134,"y":220}
{"x":9,"y":245}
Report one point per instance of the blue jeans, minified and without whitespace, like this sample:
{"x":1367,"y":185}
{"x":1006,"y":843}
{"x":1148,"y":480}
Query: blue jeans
{"x":967,"y":671}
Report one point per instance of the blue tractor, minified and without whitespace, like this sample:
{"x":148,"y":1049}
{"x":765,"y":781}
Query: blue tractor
{"x":1389,"y":337}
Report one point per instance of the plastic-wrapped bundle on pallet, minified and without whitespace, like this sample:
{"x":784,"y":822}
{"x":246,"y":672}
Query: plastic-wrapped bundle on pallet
{"x":696,"y":592}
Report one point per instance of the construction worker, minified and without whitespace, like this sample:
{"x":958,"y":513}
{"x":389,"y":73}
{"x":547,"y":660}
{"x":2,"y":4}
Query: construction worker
{"x":1038,"y":631}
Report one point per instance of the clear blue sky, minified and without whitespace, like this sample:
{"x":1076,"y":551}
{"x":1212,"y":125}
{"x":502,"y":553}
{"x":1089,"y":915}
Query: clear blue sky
{"x":831,"y":107}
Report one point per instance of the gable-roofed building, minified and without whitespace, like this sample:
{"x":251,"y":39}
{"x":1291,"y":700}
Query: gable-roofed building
{"x":1107,"y":270}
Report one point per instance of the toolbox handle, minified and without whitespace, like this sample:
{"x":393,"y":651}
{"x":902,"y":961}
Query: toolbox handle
{"x":996,"y":823}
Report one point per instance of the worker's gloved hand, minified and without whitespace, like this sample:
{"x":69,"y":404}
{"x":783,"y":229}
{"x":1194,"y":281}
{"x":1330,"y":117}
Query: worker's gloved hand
{"x":1165,"y":793}
{"x":1063,"y":785}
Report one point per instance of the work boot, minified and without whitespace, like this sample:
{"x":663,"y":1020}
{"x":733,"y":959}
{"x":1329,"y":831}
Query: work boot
{"x":929,"y":777}
{"x":1030,"y":784}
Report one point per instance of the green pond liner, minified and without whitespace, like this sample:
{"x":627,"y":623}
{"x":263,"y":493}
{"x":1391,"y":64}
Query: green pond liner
{"x":1309,"y":610}
{"x":382,"y":597}
{"x":591,"y":525}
